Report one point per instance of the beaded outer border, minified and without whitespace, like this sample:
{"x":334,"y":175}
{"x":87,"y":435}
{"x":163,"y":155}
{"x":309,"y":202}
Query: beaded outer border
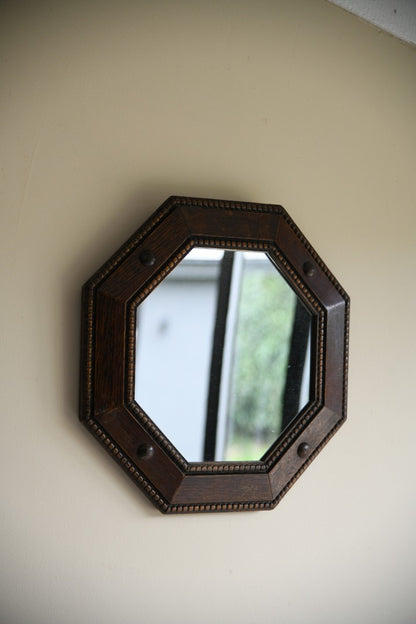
{"x":87,"y":358}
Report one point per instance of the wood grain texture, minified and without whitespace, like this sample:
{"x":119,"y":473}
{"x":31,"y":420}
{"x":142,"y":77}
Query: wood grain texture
{"x":109,"y":303}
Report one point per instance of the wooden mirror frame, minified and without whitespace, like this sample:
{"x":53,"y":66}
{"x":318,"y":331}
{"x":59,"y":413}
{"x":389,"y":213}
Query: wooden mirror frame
{"x":109,"y":305}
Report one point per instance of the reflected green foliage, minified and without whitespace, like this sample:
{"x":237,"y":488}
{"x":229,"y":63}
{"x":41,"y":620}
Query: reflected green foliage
{"x":262,"y":342}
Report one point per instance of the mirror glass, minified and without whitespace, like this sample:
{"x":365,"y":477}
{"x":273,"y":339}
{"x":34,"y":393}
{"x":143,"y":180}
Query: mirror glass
{"x":223,"y":355}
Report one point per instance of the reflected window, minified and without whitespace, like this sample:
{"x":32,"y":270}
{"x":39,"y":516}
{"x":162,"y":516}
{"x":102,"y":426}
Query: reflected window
{"x":223,"y":355}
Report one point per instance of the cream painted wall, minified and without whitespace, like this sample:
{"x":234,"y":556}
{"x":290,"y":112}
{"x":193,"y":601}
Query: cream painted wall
{"x":106,"y":109}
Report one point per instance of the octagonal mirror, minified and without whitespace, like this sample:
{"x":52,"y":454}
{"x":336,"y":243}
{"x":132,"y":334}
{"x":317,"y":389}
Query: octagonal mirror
{"x":214,"y":355}
{"x":231,"y":339}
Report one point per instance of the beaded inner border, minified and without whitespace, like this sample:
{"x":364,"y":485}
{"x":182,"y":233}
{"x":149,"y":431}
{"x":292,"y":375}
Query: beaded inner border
{"x":298,"y":424}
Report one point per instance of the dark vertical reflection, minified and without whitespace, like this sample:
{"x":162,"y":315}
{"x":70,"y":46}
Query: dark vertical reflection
{"x":296,"y":363}
{"x":224,"y":287}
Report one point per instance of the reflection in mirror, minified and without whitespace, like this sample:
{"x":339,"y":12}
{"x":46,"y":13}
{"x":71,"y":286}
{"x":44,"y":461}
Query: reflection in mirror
{"x":223,"y":355}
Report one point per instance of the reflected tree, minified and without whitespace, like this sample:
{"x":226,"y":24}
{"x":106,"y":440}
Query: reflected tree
{"x":262,"y":342}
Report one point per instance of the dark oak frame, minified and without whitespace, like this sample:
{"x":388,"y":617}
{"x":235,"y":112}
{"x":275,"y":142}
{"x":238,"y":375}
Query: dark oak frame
{"x":107,"y":405}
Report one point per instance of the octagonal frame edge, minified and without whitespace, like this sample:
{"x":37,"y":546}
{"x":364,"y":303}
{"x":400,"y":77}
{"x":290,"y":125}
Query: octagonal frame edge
{"x":88,"y":365}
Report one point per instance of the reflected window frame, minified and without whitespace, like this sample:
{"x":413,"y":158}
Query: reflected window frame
{"x":206,"y":427}
{"x":107,"y":405}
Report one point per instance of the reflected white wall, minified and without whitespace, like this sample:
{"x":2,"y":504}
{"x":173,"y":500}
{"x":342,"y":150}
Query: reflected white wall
{"x":173,"y":357}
